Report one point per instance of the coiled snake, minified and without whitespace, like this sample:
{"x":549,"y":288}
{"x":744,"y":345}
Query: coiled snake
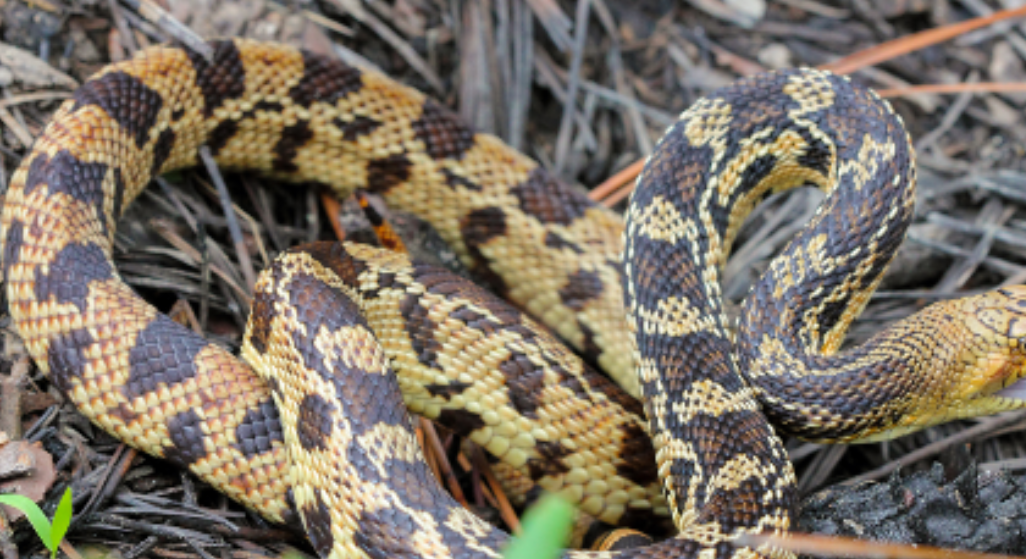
{"x":463,"y":357}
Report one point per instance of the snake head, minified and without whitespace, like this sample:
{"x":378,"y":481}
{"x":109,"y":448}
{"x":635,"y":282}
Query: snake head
{"x":995,"y":359}
{"x":977,"y":364}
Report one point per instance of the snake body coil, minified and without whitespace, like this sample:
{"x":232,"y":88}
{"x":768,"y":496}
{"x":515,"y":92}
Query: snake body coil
{"x":358,"y":479}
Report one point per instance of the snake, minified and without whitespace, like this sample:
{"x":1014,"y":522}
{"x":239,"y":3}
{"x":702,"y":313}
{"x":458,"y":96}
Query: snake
{"x":658,"y":409}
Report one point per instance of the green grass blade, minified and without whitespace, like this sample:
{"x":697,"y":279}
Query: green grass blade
{"x":62,"y":518}
{"x":35,"y":516}
{"x":546,"y":528}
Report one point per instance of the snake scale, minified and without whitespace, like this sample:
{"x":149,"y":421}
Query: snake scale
{"x":330,"y":321}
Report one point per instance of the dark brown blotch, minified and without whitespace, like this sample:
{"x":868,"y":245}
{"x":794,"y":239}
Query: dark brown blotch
{"x":66,"y":174}
{"x":600,"y":384}
{"x":324,"y":80}
{"x":67,"y":278}
{"x":452,"y":180}
{"x":420,"y":330}
{"x":66,"y":357}
{"x":832,"y":313}
{"x":461,"y":422}
{"x":314,"y":424}
{"x":446,"y":391}
{"x":524,"y":382}
{"x":444,"y":135}
{"x":548,"y":200}
{"x":481,"y":226}
{"x":162,"y":150}
{"x":719,"y":439}
{"x":550,"y":462}
{"x":581,"y":288}
{"x":220,"y":80}
{"x":187,"y":438}
{"x":317,"y":519}
{"x":320,"y":307}
{"x":221,"y":135}
{"x":12,"y":246}
{"x":259,"y":431}
{"x":657,"y":265}
{"x":679,"y":355}
{"x":292,"y":139}
{"x":440,"y":281}
{"x":371,"y":400}
{"x":817,"y":156}
{"x":261,"y":318}
{"x":356,"y":127}
{"x":126,"y":99}
{"x":475,"y":320}
{"x":263,"y":106}
{"x":385,"y":173}
{"x":590,"y":349}
{"x":555,"y":241}
{"x":164,"y":354}
{"x":687,"y":175}
{"x":334,"y":257}
{"x":637,"y":459}
{"x":384,"y":533}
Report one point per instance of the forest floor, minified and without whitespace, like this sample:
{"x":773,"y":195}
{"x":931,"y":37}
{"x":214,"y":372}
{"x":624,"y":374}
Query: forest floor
{"x":586,"y":89}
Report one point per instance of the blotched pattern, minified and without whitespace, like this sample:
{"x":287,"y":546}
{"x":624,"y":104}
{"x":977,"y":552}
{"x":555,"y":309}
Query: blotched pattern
{"x":287,"y":113}
{"x":462,"y":357}
{"x":723,"y":469}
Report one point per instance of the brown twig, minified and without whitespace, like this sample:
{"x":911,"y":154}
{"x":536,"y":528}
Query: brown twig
{"x":910,"y":43}
{"x":838,"y":546}
{"x":509,"y":516}
{"x":875,"y":55}
{"x":612,"y":189}
{"x":429,"y":455}
{"x":949,"y":88}
{"x":166,"y":230}
{"x":332,"y":207}
{"x":241,"y":252}
{"x":444,"y":473}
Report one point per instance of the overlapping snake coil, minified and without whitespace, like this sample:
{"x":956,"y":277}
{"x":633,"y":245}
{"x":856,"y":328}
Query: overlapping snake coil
{"x":330,"y":321}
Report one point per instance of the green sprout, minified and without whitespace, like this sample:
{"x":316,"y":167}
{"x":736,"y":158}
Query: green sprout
{"x":546,"y":527}
{"x":51,"y":535}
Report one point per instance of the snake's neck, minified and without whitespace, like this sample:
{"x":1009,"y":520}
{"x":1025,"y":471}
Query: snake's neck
{"x":703,"y":417}
{"x":767,"y":134}
{"x":955,"y":359}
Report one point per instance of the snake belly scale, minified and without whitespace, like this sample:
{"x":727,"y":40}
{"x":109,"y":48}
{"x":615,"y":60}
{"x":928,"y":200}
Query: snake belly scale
{"x":356,"y":478}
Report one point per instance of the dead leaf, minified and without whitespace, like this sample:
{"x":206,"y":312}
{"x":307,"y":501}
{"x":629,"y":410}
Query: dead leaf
{"x":28,"y":470}
{"x":32,"y":72}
